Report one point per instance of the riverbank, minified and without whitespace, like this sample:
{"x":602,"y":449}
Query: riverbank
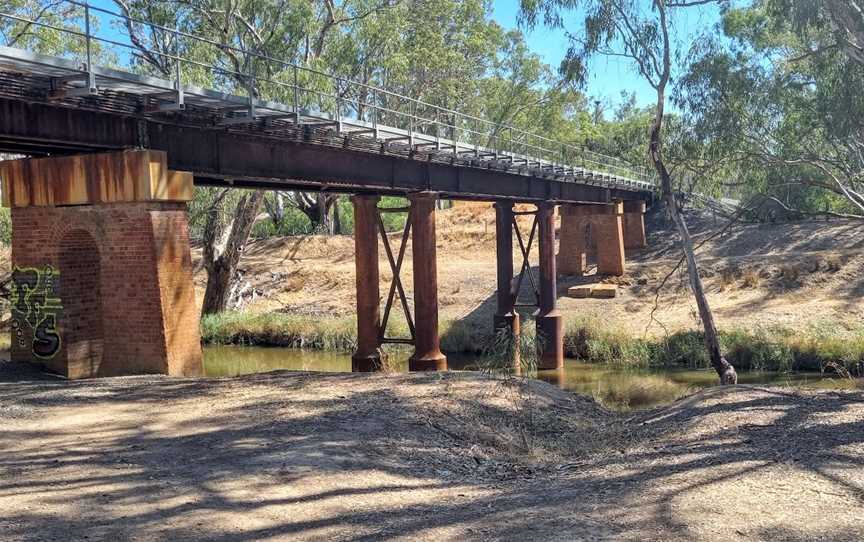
{"x":786,"y":297}
{"x":290,"y":456}
{"x":825,"y":347}
{"x":796,"y":277}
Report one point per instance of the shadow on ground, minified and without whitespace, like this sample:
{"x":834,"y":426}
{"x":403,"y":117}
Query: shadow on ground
{"x":357,"y":457}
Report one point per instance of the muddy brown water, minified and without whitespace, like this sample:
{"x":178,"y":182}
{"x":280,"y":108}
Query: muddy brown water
{"x":616,"y":387}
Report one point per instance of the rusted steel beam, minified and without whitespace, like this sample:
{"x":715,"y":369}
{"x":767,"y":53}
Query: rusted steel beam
{"x":264,"y":160}
{"x":367,"y":357}
{"x":427,"y":351}
{"x":506,"y":319}
{"x":396,"y":282}
{"x":550,"y":332}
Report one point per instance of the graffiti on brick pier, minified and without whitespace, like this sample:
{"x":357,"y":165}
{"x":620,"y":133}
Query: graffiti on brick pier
{"x":36,"y":309}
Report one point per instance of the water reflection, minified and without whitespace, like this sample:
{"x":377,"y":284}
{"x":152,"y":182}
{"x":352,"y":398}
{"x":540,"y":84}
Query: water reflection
{"x":619,"y":388}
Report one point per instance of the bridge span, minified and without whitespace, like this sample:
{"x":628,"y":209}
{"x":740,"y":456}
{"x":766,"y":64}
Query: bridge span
{"x":101,"y":267}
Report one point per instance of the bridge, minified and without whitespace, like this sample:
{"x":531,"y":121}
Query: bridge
{"x":100,"y":240}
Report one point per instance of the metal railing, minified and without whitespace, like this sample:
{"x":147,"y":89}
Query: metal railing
{"x":308,"y":94}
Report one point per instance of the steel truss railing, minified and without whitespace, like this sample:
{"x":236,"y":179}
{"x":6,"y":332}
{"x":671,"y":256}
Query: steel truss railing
{"x":275,"y":91}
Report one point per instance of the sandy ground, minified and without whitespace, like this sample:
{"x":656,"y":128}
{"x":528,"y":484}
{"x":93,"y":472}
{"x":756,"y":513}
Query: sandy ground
{"x":287,"y":456}
{"x":796,"y":276}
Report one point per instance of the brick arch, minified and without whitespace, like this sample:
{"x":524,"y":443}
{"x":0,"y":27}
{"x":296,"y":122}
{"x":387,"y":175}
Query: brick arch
{"x":80,"y":266}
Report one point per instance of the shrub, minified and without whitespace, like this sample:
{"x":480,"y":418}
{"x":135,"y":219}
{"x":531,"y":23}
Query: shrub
{"x":587,"y":339}
{"x":276,"y":329}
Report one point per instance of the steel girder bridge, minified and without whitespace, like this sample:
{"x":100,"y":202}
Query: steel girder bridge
{"x":294,"y":128}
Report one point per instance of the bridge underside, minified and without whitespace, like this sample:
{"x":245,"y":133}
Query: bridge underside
{"x":102,"y":274}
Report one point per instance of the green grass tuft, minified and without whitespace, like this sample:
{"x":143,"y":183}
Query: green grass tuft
{"x":277,"y":329}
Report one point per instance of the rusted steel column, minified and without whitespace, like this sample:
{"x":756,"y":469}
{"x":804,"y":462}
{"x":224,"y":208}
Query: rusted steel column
{"x":550,"y":332}
{"x":427,"y":351}
{"x":506,"y":317}
{"x":634,"y":224}
{"x":367,"y":357}
{"x":610,"y":240}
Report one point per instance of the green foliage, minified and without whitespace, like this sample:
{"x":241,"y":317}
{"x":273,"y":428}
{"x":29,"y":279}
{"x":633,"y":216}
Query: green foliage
{"x":775,"y":106}
{"x":294,"y":222}
{"x":278,"y":329}
{"x":589,"y":339}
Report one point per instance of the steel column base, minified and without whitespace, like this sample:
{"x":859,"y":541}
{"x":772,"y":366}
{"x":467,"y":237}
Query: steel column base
{"x":550,"y":341}
{"x":429,"y":362}
{"x":367,"y":364}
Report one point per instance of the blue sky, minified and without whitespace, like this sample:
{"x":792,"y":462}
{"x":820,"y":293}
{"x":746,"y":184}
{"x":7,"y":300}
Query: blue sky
{"x":608,"y":77}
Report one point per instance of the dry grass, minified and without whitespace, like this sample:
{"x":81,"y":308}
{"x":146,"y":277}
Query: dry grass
{"x":750,"y":278}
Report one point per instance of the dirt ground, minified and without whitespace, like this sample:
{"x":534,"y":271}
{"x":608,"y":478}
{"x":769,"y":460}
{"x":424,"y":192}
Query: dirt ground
{"x":796,"y":276}
{"x":458,"y":456}
{"x":455,"y":456}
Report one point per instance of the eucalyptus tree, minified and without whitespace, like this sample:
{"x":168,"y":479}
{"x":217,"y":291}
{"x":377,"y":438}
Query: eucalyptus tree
{"x":640,"y":32}
{"x":50,"y":27}
{"x":250,"y":44}
{"x":776,"y":103}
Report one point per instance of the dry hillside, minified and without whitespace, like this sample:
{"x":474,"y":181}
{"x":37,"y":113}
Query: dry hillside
{"x":792,"y":275}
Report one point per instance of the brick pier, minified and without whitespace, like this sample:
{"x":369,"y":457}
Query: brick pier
{"x":598,"y":231}
{"x":102,"y":273}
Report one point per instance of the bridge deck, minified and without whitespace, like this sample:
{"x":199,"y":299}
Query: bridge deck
{"x":48,"y":107}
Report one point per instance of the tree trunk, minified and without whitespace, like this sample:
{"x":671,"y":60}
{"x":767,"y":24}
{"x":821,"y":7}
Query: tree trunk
{"x":317,"y":210}
{"x":655,"y":150}
{"x":276,"y":209}
{"x":222,"y":252}
{"x":337,"y":218}
{"x":724,"y":369}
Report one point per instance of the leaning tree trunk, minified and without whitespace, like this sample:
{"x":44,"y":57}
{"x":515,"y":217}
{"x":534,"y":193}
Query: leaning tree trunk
{"x":222,"y":252}
{"x":655,"y":150}
{"x":724,"y":369}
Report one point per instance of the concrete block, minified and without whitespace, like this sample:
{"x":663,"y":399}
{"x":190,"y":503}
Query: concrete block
{"x":604,"y":291}
{"x":581,"y":291}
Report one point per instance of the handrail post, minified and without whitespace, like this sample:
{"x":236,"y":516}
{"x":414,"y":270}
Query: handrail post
{"x":454,"y":135}
{"x":375,"y":113}
{"x":437,"y":129}
{"x":91,"y":77}
{"x":178,"y":85}
{"x":411,"y":110}
{"x":338,"y":116}
{"x":296,"y":97}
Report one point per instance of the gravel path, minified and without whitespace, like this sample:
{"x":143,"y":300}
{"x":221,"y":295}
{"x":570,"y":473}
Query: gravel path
{"x":290,"y":456}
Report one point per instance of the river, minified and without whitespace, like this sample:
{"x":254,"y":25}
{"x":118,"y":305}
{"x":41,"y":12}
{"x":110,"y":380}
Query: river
{"x":617,"y":388}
